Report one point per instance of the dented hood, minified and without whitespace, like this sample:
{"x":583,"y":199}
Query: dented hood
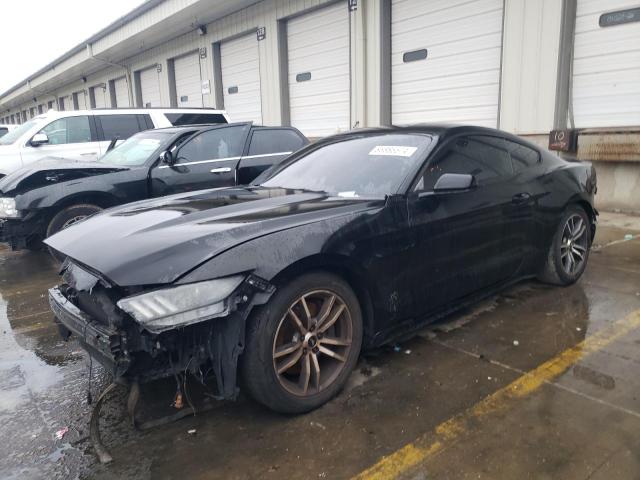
{"x":52,"y":170}
{"x":158,"y":241}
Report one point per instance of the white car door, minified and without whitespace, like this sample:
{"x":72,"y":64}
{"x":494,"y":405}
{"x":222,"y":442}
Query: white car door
{"x":69,"y":137}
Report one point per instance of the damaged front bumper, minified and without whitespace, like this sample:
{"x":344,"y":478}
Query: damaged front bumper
{"x":102,"y":342}
{"x":132,"y":353}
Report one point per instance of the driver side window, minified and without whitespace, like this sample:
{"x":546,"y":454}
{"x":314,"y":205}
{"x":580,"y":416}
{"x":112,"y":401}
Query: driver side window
{"x":484,"y":157}
{"x":220,"y":143}
{"x":68,"y":130}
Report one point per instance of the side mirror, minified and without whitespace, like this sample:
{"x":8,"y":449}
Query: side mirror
{"x":167,"y":157}
{"x":453,"y":182}
{"x":39,"y":139}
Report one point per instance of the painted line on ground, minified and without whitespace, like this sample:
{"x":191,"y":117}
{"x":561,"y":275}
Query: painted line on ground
{"x":448,"y":433}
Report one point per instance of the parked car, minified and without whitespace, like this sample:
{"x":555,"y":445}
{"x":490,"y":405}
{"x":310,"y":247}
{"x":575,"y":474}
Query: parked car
{"x":351,"y":243}
{"x":86,"y":134}
{"x":4,"y":129}
{"x":53,"y":194}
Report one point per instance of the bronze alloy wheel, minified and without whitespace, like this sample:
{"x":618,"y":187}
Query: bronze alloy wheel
{"x":312,"y":342}
{"x":574,"y":245}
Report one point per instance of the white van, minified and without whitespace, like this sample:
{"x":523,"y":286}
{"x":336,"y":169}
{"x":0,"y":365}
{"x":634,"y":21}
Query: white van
{"x":86,"y":134}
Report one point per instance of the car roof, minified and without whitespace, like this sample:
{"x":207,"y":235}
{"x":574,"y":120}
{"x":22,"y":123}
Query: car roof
{"x":442,"y":130}
{"x":197,"y":127}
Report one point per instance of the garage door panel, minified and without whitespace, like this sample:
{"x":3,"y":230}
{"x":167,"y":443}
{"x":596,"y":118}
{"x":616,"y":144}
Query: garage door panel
{"x":150,"y":88}
{"x":606,"y":68}
{"x":459,"y":81}
{"x":122,"y":93}
{"x":240,"y":60}
{"x":318,"y":43}
{"x":311,"y":39}
{"x":188,"y":80}
{"x":406,"y":9}
{"x":455,"y":21}
{"x":480,"y":115}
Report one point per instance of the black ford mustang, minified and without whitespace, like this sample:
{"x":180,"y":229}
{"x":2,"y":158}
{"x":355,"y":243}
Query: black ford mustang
{"x":350,"y":243}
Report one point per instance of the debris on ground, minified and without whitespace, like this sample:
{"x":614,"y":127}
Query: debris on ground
{"x":578,"y":329}
{"x":396,"y":348}
{"x":408,"y":352}
{"x":61,"y":433}
{"x":193,"y":431}
{"x":318,"y":424}
{"x":628,"y":236}
{"x":516,"y":343}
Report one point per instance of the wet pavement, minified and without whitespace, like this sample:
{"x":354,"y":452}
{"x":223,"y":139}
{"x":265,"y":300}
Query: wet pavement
{"x":439,"y":406}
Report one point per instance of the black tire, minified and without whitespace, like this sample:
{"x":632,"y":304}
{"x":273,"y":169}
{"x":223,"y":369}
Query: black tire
{"x":555,"y":271}
{"x":258,"y":369}
{"x":65,"y":218}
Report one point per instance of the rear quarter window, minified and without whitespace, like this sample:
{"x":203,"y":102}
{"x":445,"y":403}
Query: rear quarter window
{"x":266,"y":141}
{"x":178,"y":119}
{"x":121,"y":126}
{"x":522,"y":157}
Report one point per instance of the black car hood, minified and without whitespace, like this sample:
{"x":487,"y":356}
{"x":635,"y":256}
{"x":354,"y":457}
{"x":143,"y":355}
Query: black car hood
{"x":51,"y":170}
{"x":157,"y":241}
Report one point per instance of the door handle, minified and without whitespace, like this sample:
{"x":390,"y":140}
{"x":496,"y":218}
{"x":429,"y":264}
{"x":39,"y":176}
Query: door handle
{"x":87,"y":154}
{"x":221,"y":170}
{"x":520,"y":198}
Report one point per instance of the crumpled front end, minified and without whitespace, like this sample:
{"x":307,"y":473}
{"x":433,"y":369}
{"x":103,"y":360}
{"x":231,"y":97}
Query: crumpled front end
{"x":135,"y":349}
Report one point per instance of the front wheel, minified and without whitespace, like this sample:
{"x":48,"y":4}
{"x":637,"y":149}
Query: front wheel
{"x":302,"y":346}
{"x":67,"y":218}
{"x":569,"y":250}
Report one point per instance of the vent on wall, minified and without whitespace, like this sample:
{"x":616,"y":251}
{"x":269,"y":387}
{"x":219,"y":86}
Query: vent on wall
{"x":232,"y":90}
{"x":415,"y":55}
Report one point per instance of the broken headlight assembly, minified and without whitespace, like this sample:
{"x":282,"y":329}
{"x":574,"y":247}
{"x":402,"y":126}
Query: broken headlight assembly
{"x":176,"y":307}
{"x":8,"y":208}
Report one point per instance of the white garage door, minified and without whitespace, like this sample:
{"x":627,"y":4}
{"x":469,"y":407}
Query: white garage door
{"x":188,"y":81}
{"x":241,"y":79}
{"x":319,"y":81}
{"x":122,"y":92}
{"x":82,"y":102}
{"x":150,"y":87}
{"x":606,"y":68}
{"x":100,"y":96}
{"x":445,"y":61}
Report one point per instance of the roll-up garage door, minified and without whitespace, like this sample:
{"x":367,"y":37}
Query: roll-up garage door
{"x":150,"y":87}
{"x":188,"y":81}
{"x":82,"y":101}
{"x":241,"y":79}
{"x":445,"y":63}
{"x":606,"y":65}
{"x":100,"y":96}
{"x":122,"y":92}
{"x":319,"y":81}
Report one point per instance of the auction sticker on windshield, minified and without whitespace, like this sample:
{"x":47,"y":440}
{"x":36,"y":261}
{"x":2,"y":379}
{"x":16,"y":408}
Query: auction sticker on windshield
{"x":393,"y":150}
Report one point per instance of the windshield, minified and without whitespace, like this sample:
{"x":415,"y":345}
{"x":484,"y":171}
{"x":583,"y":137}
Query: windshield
{"x":136,"y":150}
{"x":368,"y":166}
{"x":14,"y":135}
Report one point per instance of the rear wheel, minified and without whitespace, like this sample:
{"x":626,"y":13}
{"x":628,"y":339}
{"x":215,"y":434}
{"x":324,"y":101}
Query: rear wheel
{"x":569,"y":250}
{"x":67,"y":218}
{"x":302,"y":346}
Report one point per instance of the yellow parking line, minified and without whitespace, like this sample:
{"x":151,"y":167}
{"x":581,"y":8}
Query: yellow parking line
{"x":447,"y":433}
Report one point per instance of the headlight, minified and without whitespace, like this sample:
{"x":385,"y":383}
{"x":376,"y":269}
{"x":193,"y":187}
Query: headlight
{"x":181,"y":306}
{"x":8,"y":208}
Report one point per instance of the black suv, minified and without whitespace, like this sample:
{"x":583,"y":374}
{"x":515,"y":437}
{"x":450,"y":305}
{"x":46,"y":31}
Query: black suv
{"x":53,"y":194}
